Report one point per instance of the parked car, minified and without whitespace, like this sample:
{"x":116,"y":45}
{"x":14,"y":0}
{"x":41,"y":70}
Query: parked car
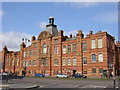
{"x":39,"y":75}
{"x":78,"y":76}
{"x":12,"y":74}
{"x":4,"y":73}
{"x":60,"y":75}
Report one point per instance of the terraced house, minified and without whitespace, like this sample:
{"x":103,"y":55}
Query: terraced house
{"x":51,"y":52}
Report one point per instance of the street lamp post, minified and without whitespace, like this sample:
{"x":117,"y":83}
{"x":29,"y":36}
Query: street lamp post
{"x":25,"y":40}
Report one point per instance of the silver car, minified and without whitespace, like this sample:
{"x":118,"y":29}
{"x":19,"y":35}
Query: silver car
{"x":60,"y":75}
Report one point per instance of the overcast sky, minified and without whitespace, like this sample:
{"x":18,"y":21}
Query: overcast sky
{"x":24,"y":19}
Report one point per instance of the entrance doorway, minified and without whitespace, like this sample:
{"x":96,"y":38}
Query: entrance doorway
{"x":74,"y":71}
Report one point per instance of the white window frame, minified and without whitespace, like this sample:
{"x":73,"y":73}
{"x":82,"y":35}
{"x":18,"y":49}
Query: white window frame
{"x":100,"y":57}
{"x":64,"y":61}
{"x":69,"y":61}
{"x":74,"y":61}
{"x":93,"y":43}
{"x":44,"y":48}
{"x":100,"y":43}
{"x":64,"y":49}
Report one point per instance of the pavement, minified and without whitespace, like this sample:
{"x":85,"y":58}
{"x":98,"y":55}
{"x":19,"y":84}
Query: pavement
{"x":16,"y":85}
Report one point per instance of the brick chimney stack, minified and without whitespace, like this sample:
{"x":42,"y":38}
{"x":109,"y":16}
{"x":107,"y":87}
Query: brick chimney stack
{"x":33,"y":38}
{"x":80,"y":34}
{"x":91,"y":32}
{"x":70,"y":35}
{"x":60,"y":33}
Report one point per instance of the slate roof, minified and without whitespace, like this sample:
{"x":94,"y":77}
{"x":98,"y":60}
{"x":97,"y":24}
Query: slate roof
{"x":51,"y":27}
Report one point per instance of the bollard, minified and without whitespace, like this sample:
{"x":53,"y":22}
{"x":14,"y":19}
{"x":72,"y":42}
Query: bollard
{"x":114,"y":83}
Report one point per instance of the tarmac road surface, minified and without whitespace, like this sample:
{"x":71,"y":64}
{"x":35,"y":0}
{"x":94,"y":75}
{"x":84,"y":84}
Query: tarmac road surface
{"x":65,"y":83}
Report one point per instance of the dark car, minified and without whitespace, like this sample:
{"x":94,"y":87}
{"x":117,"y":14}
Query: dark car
{"x":12,"y":74}
{"x":78,"y":76}
{"x":39,"y":75}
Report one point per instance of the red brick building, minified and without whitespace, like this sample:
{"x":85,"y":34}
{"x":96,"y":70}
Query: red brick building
{"x":53,"y":53}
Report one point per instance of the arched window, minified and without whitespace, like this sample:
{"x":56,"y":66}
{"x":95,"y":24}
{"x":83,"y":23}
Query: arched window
{"x":100,"y":57}
{"x":93,"y":58}
{"x":44,"y":48}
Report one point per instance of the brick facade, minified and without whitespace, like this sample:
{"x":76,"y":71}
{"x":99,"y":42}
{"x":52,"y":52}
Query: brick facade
{"x":53,"y":53}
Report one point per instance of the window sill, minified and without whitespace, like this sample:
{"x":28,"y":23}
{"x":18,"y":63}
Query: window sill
{"x":56,"y":65}
{"x":100,"y":61}
{"x":94,"y":61}
{"x":74,"y":64}
{"x":34,"y":65}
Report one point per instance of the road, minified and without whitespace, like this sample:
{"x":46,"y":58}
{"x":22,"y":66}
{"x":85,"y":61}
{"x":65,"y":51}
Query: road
{"x":66,"y":83}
